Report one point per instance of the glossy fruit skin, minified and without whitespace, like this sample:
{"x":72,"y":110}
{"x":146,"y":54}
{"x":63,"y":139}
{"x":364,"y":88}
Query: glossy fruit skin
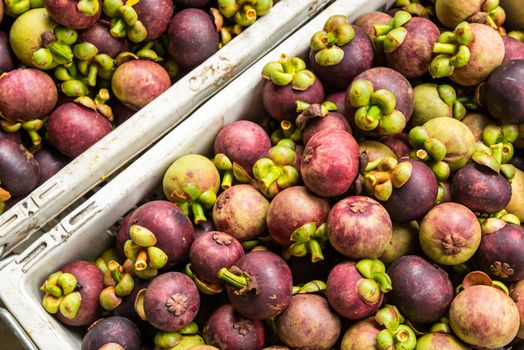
{"x":500,"y":254}
{"x":50,"y":162}
{"x":100,"y":36}
{"x":484,"y":316}
{"x":212,"y":251}
{"x":342,"y":292}
{"x":242,"y":142}
{"x":308,"y":321}
{"x":91,"y":279}
{"x":504,"y":93}
{"x":73,"y":129}
{"x":421,"y":291}
{"x":114,"y":329}
{"x":27,"y":94}
{"x":19,"y":171}
{"x":292,"y":208}
{"x":274,"y":285}
{"x":192,"y":37}
{"x":330,"y":164}
{"x":420,"y":191}
{"x":361,"y":335}
{"x":136,"y":83}
{"x":229,"y":330}
{"x":438,"y":341}
{"x":333,"y":120}
{"x":6,"y":57}
{"x":359,"y":228}
{"x":481,"y":189}
{"x":513,"y":49}
{"x":358,"y":57}
{"x":155,"y":15}
{"x":279,"y":101}
{"x":66,"y":13}
{"x":171,"y":301}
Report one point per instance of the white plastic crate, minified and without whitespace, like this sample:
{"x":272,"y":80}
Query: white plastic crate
{"x":23,"y":221}
{"x":90,"y":228}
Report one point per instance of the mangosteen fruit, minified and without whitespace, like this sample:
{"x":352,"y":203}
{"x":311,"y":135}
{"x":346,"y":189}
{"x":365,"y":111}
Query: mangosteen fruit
{"x":513,"y":49}
{"x":6,"y":57}
{"x":155,"y":15}
{"x":434,"y":101}
{"x":452,"y":12}
{"x":516,"y":203}
{"x":114,"y":330}
{"x":438,"y":341}
{"x":517,"y":295}
{"x":99,"y":36}
{"x":19,"y":171}
{"x":315,"y":118}
{"x":74,"y":14}
{"x":398,"y":143}
{"x":404,"y":241}
{"x":50,"y":162}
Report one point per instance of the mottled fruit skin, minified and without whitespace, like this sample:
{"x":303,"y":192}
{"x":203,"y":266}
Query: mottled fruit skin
{"x":342,"y":292}
{"x":500,"y":253}
{"x":504,"y":93}
{"x":114,"y":329}
{"x":279,"y":101}
{"x":136,"y":83}
{"x":452,"y":12}
{"x":6,"y":58}
{"x":439,"y":341}
{"x":100,"y":36}
{"x":421,"y":291}
{"x":404,"y":241}
{"x":516,"y":204}
{"x":66,"y":13}
{"x":272,"y":281}
{"x":361,"y":335}
{"x":487,"y":53}
{"x":484,"y":316}
{"x":428,"y":105}
{"x":212,"y":251}
{"x":73,"y":128}
{"x":291,"y":209}
{"x":414,"y":55}
{"x":27,"y":94}
{"x":241,"y":211}
{"x":308,"y":322}
{"x":481,"y":189}
{"x":50,"y":162}
{"x":358,"y":57}
{"x":359,"y":227}
{"x":330,"y":164}
{"x":155,"y":15}
{"x":192,"y":37}
{"x":229,"y":330}
{"x":242,"y":142}
{"x":171,"y":227}
{"x":19,"y":171}
{"x":513,"y":49}
{"x":171,"y":301}
{"x":333,"y":120}
{"x":450,"y":234}
{"x":420,"y":191}
{"x":517,"y":295}
{"x":91,"y":279}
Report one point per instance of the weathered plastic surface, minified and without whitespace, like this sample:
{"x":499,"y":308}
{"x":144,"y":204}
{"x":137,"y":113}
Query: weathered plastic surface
{"x":47,"y":201}
{"x":90,"y":228}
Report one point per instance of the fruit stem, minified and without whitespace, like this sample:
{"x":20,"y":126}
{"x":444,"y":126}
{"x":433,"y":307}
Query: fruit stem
{"x":198,"y":213}
{"x":316,"y":251}
{"x":234,"y":280}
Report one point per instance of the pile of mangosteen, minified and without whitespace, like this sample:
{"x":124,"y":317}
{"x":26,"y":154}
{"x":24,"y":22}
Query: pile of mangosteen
{"x":378,"y":206}
{"x":73,"y":70}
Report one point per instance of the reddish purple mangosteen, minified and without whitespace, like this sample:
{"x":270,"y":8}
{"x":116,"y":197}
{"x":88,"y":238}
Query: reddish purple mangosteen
{"x":74,"y":14}
{"x":339,"y":99}
{"x":281,"y":91}
{"x":330,"y":164}
{"x":71,"y":294}
{"x":113,"y":331}
{"x":6,"y":57}
{"x":259,"y":285}
{"x":315,"y":118}
{"x":100,"y":36}
{"x":192,"y":37}
{"x":513,"y":49}
{"x":367,"y":22}
{"x":227,"y":329}
{"x":421,"y":291}
{"x":340,"y":52}
{"x":155,"y":15}
{"x":19,"y":171}
{"x":13,"y":136}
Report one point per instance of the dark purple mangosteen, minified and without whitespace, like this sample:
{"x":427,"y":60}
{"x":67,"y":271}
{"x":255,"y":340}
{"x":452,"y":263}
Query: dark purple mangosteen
{"x":74,"y":14}
{"x":339,"y":99}
{"x":191,"y":3}
{"x":50,"y":162}
{"x":138,"y":82}
{"x":481,"y":189}
{"x":227,"y":329}
{"x":330,"y":164}
{"x":120,"y":112}
{"x":398,"y":143}
{"x":513,"y":49}
{"x":6,"y":57}
{"x":259,"y":285}
{"x":281,"y":91}
{"x":340,"y":52}
{"x":19,"y":171}
{"x":421,"y":291}
{"x":160,"y":235}
{"x":72,"y":293}
{"x":155,"y":15}
{"x":114,"y":330}
{"x":171,"y":301}
{"x":100,"y":36}
{"x":192,"y":37}
{"x":308,"y":322}
{"x":242,"y":142}
{"x":13,"y":136}
{"x":73,"y":128}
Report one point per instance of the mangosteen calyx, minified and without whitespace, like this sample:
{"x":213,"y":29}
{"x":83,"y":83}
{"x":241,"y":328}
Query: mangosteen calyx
{"x":287,"y":130}
{"x":125,"y":20}
{"x":205,"y":287}
{"x":244,"y":13}
{"x":230,"y":171}
{"x":326,"y":44}
{"x":315,"y":286}
{"x":177,"y":304}
{"x":308,"y":112}
{"x":379,"y":181}
{"x":289,"y":70}
{"x":374,"y":280}
{"x":242,"y":281}
{"x":56,"y":48}
{"x":311,"y":239}
{"x":475,"y":278}
{"x":88,"y":7}
{"x":119,"y":283}
{"x":141,"y":250}
{"x":98,"y":104}
{"x":184,"y":338}
{"x":396,"y":335}
{"x":430,"y":150}
{"x":491,"y":14}
{"x":61,"y":294}
{"x":415,"y":8}
{"x":375,"y":109}
{"x":390,"y":36}
{"x":90,"y":65}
